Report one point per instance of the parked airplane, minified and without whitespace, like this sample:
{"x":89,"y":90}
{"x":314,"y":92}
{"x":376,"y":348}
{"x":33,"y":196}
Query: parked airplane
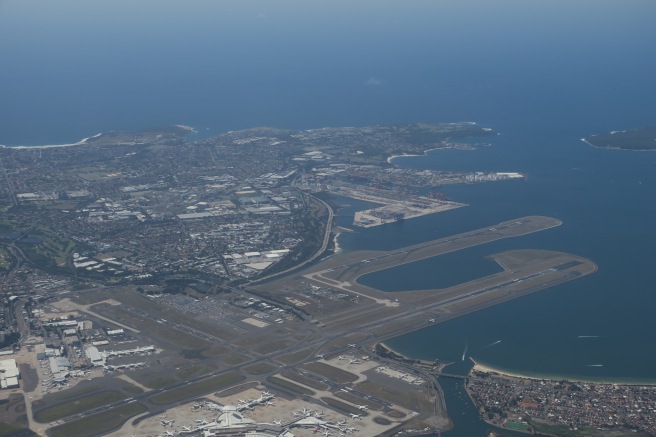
{"x":362,"y":407}
{"x":341,"y":357}
{"x":356,"y":416}
{"x":352,"y":345}
{"x":186,"y":428}
{"x":277,"y":422}
{"x":355,"y":361}
{"x":168,"y":422}
{"x":320,"y":356}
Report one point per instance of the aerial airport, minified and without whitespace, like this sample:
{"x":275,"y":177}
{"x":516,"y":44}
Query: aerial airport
{"x":216,"y":317}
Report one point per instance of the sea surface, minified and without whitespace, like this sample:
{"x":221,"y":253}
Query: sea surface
{"x":543,"y":74}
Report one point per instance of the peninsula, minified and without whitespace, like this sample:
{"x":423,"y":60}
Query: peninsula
{"x":635,"y":139}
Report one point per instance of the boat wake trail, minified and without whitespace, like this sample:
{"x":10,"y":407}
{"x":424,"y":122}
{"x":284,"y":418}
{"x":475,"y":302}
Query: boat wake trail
{"x":493,"y":343}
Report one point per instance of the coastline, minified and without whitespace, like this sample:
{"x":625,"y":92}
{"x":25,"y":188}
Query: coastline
{"x":585,"y":140}
{"x":478,"y":367}
{"x":82,"y":142}
{"x":86,"y":141}
{"x":394,"y":351}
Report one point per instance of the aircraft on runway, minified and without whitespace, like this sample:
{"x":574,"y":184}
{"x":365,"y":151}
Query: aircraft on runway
{"x":320,"y":356}
{"x":352,"y":345}
{"x":355,"y":416}
{"x":362,"y":407}
{"x":431,"y":320}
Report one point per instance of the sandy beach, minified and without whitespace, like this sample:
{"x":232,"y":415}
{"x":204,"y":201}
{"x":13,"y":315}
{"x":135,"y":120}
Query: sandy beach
{"x":478,"y":367}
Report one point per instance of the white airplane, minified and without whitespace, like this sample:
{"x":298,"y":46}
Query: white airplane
{"x":382,"y":368}
{"x":362,"y":407}
{"x":318,"y":414}
{"x":277,"y":422}
{"x":304,"y":412}
{"x":341,"y":357}
{"x":352,"y":345}
{"x":186,"y":428}
{"x":320,"y":356}
{"x":202,"y":422}
{"x":168,"y":422}
{"x":404,"y":375}
{"x":266,"y":393}
{"x":169,"y":434}
{"x":355,"y":361}
{"x":356,"y":416}
{"x":431,"y":320}
{"x":341,"y":423}
{"x":327,"y":433}
{"x":269,"y":403}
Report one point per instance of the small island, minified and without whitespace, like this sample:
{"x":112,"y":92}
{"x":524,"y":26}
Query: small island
{"x":635,"y":139}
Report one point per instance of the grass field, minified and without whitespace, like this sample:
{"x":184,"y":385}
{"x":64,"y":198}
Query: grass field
{"x":330,"y":372}
{"x":259,"y":368}
{"x":290,"y":386}
{"x":66,"y":409}
{"x":196,"y":389}
{"x":296,"y":357}
{"x":98,"y":423}
{"x":317,"y":385}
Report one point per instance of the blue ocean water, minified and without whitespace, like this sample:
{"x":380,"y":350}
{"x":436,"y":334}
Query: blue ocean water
{"x":543,"y":74}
